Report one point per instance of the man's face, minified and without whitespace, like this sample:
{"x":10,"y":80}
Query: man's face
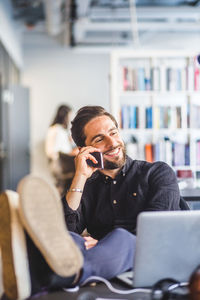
{"x":102,"y":133}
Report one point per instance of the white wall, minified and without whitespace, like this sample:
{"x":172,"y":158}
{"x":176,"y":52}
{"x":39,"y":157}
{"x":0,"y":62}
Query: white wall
{"x":55,"y":75}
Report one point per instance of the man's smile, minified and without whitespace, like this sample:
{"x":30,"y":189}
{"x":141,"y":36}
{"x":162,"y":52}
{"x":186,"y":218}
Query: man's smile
{"x":113,"y":152}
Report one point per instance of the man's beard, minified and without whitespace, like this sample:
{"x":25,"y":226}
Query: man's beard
{"x":111,"y":165}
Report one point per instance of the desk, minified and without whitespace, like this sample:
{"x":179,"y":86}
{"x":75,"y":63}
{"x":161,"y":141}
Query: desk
{"x":92,"y":293}
{"x":99,"y":291}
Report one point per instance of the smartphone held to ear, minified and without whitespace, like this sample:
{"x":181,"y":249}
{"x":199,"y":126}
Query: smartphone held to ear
{"x":99,"y":158}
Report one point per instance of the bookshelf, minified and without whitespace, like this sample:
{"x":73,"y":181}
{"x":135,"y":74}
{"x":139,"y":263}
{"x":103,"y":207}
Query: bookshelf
{"x":155,"y":96}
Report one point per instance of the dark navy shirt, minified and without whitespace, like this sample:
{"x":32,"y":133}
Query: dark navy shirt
{"x":108,"y":203}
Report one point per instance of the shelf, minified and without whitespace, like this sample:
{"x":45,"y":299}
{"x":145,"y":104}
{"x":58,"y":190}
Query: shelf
{"x":157,"y":93}
{"x":155,"y":97}
{"x":163,"y":131}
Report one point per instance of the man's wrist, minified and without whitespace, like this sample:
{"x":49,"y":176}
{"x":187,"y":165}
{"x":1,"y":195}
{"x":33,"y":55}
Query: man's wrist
{"x":75,"y":190}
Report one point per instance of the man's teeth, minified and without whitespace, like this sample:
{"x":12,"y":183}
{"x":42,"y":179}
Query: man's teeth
{"x":113,"y":152}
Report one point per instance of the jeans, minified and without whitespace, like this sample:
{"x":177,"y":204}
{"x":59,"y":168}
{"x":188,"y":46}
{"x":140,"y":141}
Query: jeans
{"x":111,"y":256}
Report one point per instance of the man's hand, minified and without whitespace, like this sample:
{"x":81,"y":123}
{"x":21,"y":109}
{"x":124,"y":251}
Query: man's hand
{"x":81,"y":161}
{"x":90,"y":242}
{"x":82,"y":173}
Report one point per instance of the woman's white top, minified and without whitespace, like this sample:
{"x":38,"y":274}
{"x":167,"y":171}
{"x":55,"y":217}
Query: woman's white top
{"x":57,"y":140}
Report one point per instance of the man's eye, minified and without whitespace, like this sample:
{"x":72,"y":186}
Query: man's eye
{"x":114,"y":132}
{"x":98,"y":141}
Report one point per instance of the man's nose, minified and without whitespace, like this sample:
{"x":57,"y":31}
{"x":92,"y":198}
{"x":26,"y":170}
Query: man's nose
{"x":110,"y":141}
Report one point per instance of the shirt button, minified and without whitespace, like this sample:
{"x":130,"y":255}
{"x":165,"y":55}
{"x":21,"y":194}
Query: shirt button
{"x":114,"y":182}
{"x":114,"y":201}
{"x":124,"y":174}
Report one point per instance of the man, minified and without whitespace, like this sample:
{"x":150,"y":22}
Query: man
{"x":101,"y":200}
{"x":106,"y":202}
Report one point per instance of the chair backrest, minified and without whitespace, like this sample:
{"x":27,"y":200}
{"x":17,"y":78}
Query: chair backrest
{"x":67,"y":163}
{"x":183,"y":204}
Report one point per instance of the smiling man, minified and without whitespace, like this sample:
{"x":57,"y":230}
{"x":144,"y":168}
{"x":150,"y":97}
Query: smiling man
{"x":102,"y":200}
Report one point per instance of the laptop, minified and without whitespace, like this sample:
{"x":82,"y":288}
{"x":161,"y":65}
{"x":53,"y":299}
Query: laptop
{"x":167,"y":246}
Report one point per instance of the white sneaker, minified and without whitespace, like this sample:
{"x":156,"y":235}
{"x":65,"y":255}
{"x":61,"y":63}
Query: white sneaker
{"x":42,"y":215}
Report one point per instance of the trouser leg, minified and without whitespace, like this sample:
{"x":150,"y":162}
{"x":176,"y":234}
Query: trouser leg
{"x":111,"y":256}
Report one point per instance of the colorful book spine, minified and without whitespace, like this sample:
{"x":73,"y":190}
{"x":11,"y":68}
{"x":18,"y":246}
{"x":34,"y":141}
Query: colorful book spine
{"x":141,"y":79}
{"x":125,"y":79}
{"x":196,"y":79}
{"x":149,"y":117}
{"x":149,"y":152}
{"x":129,"y":117}
{"x":125,"y":117}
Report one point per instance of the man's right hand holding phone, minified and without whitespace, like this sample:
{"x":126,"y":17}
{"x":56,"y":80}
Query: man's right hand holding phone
{"x":84,"y":170}
{"x":88,"y":160}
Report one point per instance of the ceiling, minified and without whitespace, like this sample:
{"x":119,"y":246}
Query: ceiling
{"x":89,"y":22}
{"x":28,"y":11}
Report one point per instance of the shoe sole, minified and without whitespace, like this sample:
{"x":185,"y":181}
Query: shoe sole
{"x":16,"y":277}
{"x":42,"y":215}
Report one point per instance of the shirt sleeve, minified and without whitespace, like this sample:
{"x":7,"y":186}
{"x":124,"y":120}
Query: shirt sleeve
{"x":164,"y":192}
{"x":73,"y":218}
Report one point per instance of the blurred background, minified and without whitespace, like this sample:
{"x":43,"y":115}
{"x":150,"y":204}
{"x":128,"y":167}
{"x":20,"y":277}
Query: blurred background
{"x":56,"y":52}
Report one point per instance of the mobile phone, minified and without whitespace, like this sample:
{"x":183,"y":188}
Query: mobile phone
{"x":99,"y":158}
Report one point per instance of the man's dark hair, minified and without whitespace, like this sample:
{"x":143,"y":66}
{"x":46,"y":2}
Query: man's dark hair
{"x":83,"y":116}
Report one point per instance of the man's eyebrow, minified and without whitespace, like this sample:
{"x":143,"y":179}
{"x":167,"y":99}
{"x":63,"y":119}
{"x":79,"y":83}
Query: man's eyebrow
{"x":111,"y":129}
{"x":96,"y":136}
{"x":100,"y":134}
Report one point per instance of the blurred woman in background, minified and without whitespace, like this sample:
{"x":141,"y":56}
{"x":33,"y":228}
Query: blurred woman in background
{"x":60,"y":149}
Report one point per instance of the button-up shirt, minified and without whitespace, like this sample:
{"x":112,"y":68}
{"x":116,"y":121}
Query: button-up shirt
{"x":108,"y":203}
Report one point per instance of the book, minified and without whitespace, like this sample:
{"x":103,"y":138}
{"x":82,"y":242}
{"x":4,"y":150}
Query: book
{"x":157,"y":151}
{"x":187,"y":154}
{"x":190,"y":75}
{"x":196,"y":79}
{"x":141,"y":79}
{"x":183,"y":79}
{"x":147,"y":79}
{"x":155,"y":75}
{"x":178,"y":117}
{"x":178,"y":154}
{"x":132,"y":116}
{"x":149,"y":152}
{"x":134,"y":80}
{"x":125,"y":117}
{"x":178,"y":80}
{"x":149,"y":117}
{"x":125,"y":79}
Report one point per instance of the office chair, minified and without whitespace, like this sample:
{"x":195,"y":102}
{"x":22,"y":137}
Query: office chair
{"x":183,"y":204}
{"x":66,"y":172}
